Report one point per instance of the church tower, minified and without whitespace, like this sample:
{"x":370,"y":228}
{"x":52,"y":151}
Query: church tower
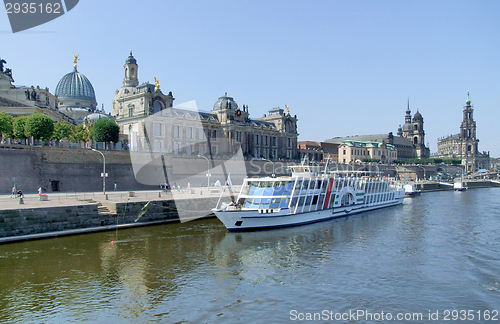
{"x":131,"y":72}
{"x":469,"y":142}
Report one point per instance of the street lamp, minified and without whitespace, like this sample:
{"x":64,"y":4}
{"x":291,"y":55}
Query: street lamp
{"x":103,"y":171}
{"x":208,"y":169}
{"x":273,"y":175}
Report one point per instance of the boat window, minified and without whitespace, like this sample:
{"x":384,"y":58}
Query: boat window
{"x":248,"y":203}
{"x":294,"y":202}
{"x":298,"y":185}
{"x":308,"y":201}
{"x":315,"y":200}
{"x":313,"y":184}
{"x":321,"y":201}
{"x":264,"y":203}
{"x":284,"y":203}
{"x":252,"y":185}
{"x":288,"y":187}
{"x":279,"y":187}
{"x":255,"y":203}
{"x":269,"y":188}
{"x":275,"y":203}
{"x":325,"y":185}
{"x":301,"y":202}
{"x":305,"y":185}
{"x":259,"y":188}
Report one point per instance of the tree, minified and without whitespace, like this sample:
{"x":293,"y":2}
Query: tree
{"x":19,"y":127}
{"x":105,"y":130}
{"x":61,"y":130}
{"x":39,"y":126}
{"x":80,"y":134}
{"x":6,"y":124}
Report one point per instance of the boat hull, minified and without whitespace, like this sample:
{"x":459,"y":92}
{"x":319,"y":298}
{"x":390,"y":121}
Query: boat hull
{"x":248,"y":220}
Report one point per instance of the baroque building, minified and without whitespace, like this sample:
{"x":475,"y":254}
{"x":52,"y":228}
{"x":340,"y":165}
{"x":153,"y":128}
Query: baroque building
{"x":23,"y":100}
{"x":76,"y":94}
{"x":464,"y":145}
{"x":413,"y":130}
{"x":146,"y":114}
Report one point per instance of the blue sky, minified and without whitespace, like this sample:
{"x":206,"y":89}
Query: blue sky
{"x":343,"y":67}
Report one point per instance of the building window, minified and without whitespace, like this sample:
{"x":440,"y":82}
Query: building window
{"x":176,"y":131}
{"x":214,"y":134}
{"x":157,"y":129}
{"x":189,"y":132}
{"x":201,"y":134}
{"x":289,"y":142}
{"x":157,"y":147}
{"x":176,"y":148}
{"x":256,"y":139}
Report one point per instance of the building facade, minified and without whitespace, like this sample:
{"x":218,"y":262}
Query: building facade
{"x":145,"y":113}
{"x":464,"y":145}
{"x":23,"y":100}
{"x":355,"y":151}
{"x":413,"y":130}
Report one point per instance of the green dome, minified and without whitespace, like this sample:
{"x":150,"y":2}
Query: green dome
{"x":75,"y":86}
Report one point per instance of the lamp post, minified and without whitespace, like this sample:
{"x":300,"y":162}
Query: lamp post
{"x":273,"y":175}
{"x":208,"y":169}
{"x":103,"y":171}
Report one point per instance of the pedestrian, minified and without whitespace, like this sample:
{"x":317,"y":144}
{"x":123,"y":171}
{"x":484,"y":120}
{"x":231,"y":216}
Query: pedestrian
{"x":40,"y":190}
{"x":13,"y":194}
{"x":115,"y":186}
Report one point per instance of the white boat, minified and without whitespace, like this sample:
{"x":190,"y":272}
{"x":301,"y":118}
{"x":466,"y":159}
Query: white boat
{"x":459,"y":186}
{"x":411,"y":190}
{"x":308,"y":195}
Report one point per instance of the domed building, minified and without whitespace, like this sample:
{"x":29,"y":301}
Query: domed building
{"x":413,"y":130}
{"x":150,"y":120}
{"x":76,"y":95}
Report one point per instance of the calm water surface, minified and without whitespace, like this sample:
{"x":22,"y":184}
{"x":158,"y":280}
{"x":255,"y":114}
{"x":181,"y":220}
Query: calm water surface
{"x":437,"y":252}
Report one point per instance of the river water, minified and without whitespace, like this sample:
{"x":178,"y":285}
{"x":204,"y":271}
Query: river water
{"x":435,"y":254}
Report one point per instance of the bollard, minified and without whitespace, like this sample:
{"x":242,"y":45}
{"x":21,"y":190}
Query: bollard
{"x":159,"y":194}
{"x":106,"y":197}
{"x":21,"y":200}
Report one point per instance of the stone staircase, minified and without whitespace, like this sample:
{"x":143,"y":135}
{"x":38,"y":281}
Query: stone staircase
{"x":101,"y":209}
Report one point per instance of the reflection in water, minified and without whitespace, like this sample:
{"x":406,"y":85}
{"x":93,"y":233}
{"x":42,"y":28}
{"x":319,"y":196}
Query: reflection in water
{"x":438,"y":251}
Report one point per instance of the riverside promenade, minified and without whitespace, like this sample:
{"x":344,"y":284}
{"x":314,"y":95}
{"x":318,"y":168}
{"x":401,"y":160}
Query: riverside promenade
{"x":32,"y":217}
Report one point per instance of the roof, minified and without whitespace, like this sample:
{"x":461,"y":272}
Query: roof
{"x":6,"y":102}
{"x":75,"y":86}
{"x":397,"y":140}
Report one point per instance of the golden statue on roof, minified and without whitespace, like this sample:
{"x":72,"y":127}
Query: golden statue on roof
{"x":75,"y":58}
{"x":287,"y":110}
{"x":157,"y":84}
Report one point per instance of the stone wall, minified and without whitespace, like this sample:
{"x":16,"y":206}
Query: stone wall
{"x":79,"y":170}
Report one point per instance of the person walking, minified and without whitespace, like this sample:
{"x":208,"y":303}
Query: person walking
{"x":13,"y":194}
{"x":115,"y":186}
{"x":40,"y":190}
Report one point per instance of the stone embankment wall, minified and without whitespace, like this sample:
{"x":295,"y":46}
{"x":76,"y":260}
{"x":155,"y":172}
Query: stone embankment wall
{"x":17,"y":222}
{"x":79,"y":170}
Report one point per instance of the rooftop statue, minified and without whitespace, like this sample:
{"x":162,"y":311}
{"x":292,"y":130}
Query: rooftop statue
{"x":75,"y":59}
{"x":157,"y":84}
{"x":2,"y":62}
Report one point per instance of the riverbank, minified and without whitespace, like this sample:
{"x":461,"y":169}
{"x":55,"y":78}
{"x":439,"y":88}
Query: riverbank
{"x":63,"y":214}
{"x":31,"y":217}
